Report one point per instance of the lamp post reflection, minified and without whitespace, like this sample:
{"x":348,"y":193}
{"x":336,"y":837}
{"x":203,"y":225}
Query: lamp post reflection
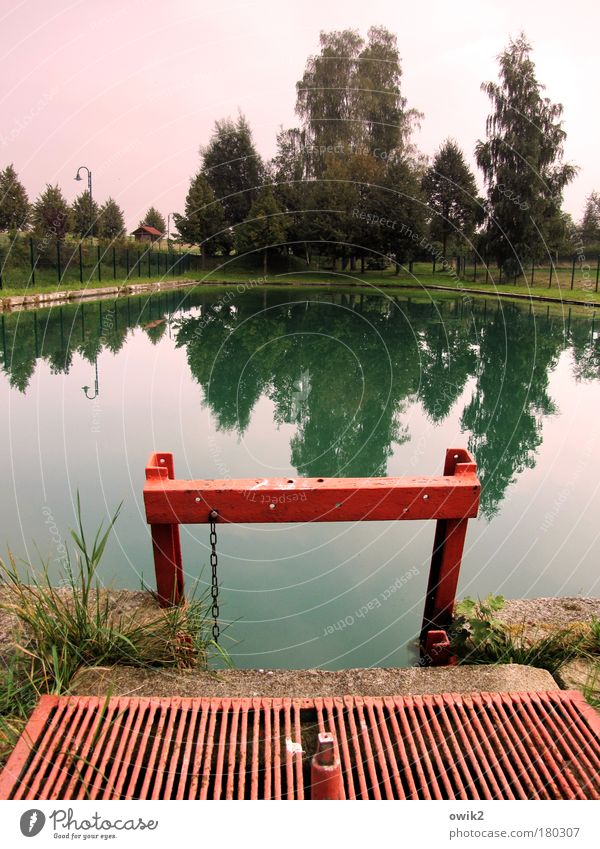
{"x":86,"y":389}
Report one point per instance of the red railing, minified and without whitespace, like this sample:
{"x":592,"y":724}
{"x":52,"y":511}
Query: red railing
{"x":451,"y":499}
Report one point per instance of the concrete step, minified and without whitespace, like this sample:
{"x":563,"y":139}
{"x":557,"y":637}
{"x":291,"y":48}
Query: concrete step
{"x":308,"y":683}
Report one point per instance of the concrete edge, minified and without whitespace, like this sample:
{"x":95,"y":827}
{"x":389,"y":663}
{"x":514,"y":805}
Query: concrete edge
{"x":308,"y":683}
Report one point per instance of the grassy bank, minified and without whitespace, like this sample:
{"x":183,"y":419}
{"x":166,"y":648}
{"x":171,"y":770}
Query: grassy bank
{"x":420,"y":278}
{"x":55,"y":625}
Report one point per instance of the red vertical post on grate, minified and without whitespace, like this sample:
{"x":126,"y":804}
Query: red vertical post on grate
{"x":445,"y":566}
{"x":166,"y":543}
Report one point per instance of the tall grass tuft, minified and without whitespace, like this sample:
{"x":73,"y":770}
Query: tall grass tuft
{"x":68,"y":621}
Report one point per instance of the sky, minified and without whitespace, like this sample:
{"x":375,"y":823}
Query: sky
{"x":132,"y":88}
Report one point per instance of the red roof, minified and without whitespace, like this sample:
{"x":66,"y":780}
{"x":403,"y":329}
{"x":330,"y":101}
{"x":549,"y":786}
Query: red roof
{"x":152,"y":231}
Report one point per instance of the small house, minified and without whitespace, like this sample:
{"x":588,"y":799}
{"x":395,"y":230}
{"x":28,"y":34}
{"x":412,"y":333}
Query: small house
{"x":147,"y":234}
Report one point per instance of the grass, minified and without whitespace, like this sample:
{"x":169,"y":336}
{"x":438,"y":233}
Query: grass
{"x":236,"y":271}
{"x":67,"y":627}
{"x":591,"y":690}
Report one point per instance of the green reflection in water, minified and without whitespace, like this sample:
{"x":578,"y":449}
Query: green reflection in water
{"x":354,"y":381}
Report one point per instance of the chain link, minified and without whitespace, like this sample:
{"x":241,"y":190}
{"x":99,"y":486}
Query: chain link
{"x":214,"y":585}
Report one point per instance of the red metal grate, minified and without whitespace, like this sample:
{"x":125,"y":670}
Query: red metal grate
{"x":478,"y":746}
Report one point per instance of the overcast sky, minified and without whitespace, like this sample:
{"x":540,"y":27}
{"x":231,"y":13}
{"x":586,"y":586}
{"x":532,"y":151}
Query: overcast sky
{"x":132,"y":89}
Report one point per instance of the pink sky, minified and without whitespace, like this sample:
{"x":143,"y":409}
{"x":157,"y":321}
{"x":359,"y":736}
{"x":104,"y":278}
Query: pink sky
{"x":132,"y":89}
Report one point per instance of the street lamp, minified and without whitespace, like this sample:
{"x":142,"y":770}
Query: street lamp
{"x":169,"y":216}
{"x":96,"y":385}
{"x":78,"y":177}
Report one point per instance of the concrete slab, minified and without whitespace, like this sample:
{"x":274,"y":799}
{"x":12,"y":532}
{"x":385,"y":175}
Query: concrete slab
{"x":581,"y":674}
{"x":549,"y":614}
{"x":309,"y":683}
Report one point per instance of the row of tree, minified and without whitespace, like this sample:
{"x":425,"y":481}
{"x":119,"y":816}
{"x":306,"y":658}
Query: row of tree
{"x":51,"y":214}
{"x":349,"y":182}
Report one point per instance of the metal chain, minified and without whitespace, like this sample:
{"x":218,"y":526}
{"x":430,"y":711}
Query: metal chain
{"x":214,"y":586}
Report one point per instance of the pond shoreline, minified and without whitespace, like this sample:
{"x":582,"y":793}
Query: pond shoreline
{"x":19,"y":303}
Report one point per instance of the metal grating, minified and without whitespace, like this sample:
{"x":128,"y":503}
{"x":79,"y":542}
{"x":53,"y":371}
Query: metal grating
{"x":478,"y":746}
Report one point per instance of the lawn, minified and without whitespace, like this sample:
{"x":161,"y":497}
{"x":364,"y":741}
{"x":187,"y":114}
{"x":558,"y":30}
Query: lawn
{"x":421,"y":277}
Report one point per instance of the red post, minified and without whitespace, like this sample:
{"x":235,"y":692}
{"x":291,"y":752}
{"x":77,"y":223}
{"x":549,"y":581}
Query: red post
{"x":446,"y":560}
{"x":166,"y":543}
{"x":326,"y":770}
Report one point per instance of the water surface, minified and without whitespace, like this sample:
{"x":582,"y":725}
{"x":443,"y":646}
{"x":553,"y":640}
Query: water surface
{"x":313,"y":382}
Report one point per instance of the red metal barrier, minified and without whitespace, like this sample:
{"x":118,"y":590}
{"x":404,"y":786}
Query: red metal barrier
{"x":451,"y":499}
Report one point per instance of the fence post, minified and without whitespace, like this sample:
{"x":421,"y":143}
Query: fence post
{"x":139,"y":263}
{"x":550,"y":281}
{"x":573,"y":271}
{"x":114,"y":264}
{"x":58,"y":268}
{"x":597,"y":271}
{"x":127,"y":261}
{"x":80,"y":264}
{"x":150,"y":261}
{"x":410,"y":266}
{"x":532,"y":272}
{"x":500,"y":274}
{"x":32,"y":259}
{"x":487,"y":269}
{"x":99,"y":262}
{"x":475,"y":271}
{"x":433,"y":269}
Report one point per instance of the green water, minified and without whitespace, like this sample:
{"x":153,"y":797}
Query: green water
{"x":314,"y":382}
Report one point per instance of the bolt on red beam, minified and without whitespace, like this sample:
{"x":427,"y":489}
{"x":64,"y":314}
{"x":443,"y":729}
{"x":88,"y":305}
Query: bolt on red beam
{"x":326,"y":770}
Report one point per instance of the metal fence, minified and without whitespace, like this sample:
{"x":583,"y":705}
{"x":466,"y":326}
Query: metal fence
{"x":29,"y":261}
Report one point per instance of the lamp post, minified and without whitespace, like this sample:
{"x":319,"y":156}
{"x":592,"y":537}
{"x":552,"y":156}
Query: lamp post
{"x":78,"y":177}
{"x":169,"y":216}
{"x":86,"y":389}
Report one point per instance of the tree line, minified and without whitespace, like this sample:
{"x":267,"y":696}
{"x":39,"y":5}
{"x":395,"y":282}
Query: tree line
{"x":51,"y":215}
{"x":349,"y":183}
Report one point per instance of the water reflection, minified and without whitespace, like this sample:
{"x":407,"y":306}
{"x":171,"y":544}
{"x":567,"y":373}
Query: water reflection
{"x":342,"y":368}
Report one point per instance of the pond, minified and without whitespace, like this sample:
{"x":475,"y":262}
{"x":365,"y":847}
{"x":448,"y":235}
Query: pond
{"x":314,"y":382}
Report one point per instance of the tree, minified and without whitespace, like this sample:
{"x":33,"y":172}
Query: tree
{"x":293,"y":189}
{"x":451,"y":193}
{"x":354,"y":144}
{"x":326,"y":94}
{"x":264,"y":228}
{"x":52,"y":214}
{"x":153,"y":218}
{"x":349,"y":97}
{"x":111,"y":221}
{"x":233,"y":168}
{"x":590,"y":223}
{"x":203,"y":221}
{"x":14,"y":203}
{"x":85,"y":212}
{"x":404,"y":207}
{"x":521,"y":161}
{"x":383,"y":119}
